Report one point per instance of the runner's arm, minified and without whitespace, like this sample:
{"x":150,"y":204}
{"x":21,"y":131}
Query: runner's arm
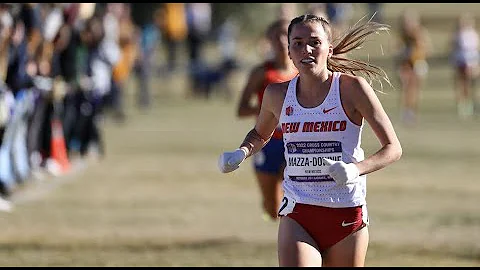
{"x":254,"y":84}
{"x":369,"y":106}
{"x":266,"y":123}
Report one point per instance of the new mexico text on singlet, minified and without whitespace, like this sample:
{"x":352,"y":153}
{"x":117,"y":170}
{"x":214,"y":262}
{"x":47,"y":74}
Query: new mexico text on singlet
{"x":311,"y":134}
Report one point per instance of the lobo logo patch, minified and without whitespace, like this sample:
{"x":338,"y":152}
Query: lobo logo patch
{"x":289,"y":110}
{"x":287,"y":206}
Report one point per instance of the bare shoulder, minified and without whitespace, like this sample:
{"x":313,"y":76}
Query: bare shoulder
{"x":254,"y":83}
{"x":357,"y":96}
{"x":277,"y":91}
{"x":354,"y":86}
{"x":274,"y":96}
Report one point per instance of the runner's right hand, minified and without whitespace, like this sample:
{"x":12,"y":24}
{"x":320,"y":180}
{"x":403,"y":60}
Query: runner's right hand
{"x":230,"y":161}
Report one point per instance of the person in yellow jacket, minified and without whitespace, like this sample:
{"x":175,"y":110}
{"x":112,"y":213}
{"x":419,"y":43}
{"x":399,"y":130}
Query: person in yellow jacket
{"x":172,"y":21}
{"x":122,"y":70}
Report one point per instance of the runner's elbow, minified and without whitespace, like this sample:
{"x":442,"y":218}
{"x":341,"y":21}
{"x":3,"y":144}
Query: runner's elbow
{"x":397,"y":152}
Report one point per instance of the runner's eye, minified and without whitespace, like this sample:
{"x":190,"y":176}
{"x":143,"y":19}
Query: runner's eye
{"x":315,"y":43}
{"x":297,"y":43}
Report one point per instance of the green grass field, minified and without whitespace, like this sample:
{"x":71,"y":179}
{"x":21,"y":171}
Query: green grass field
{"x":158,"y":199}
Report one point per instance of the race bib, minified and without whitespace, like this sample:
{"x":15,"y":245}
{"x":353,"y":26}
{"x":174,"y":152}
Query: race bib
{"x":305,"y":160}
{"x":286,"y":207}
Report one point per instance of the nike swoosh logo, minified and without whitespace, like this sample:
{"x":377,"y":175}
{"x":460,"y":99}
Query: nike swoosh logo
{"x":326,"y":111}
{"x":347,"y":224}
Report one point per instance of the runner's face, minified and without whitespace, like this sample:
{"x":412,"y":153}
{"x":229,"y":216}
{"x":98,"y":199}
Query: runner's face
{"x":309,"y":47}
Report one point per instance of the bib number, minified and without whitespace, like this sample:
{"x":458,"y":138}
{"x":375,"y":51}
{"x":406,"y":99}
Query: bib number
{"x":286,"y":206}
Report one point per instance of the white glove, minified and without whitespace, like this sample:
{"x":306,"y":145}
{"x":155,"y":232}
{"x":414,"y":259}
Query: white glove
{"x":343,"y":173}
{"x":230,"y":161}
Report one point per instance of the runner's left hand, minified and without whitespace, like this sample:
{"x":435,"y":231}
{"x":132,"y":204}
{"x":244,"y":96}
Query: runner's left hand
{"x":343,"y":173}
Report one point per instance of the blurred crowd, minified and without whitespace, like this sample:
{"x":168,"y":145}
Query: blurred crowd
{"x":59,"y":63}
{"x":64,"y":65}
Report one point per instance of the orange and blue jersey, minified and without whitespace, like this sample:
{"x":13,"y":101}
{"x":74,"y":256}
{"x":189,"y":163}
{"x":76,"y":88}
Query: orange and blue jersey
{"x":271,"y":158}
{"x":273,"y":76}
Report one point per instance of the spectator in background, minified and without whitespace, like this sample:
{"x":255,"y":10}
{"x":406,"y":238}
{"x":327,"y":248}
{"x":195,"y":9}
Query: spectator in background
{"x":31,"y":17}
{"x":6,"y":29}
{"x":172,"y":21}
{"x":227,"y":39}
{"x":6,"y":96}
{"x":129,"y":50}
{"x":143,"y":16}
{"x":46,"y":51}
{"x":85,"y":12}
{"x":199,"y":22}
{"x":96,"y":78}
{"x":412,"y":65}
{"x":17,"y":76}
{"x":67,"y":42}
{"x":465,"y":59}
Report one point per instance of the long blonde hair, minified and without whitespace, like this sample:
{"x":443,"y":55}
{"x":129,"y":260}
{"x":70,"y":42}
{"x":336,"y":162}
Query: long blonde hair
{"x":350,"y":40}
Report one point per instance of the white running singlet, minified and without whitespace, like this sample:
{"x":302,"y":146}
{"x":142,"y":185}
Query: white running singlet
{"x":312,"y":133}
{"x":466,"y":50}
